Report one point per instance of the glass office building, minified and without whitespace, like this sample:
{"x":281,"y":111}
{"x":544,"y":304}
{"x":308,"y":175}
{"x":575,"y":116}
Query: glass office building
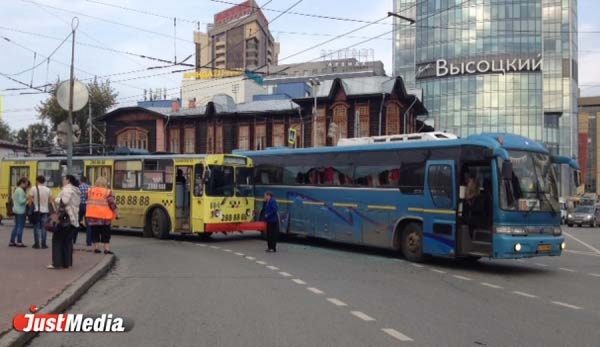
{"x":493,"y":66}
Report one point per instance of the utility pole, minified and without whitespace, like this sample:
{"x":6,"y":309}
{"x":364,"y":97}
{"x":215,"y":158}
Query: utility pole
{"x":74,"y":25}
{"x":90,"y":124}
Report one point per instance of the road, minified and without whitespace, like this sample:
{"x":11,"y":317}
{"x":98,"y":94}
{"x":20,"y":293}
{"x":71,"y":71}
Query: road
{"x":229,"y":292}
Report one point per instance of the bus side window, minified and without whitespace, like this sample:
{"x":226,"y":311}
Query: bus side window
{"x":198,"y":179}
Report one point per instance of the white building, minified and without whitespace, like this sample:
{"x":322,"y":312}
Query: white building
{"x":202,"y":91}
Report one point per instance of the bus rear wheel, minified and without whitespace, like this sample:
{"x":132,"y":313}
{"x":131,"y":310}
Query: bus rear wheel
{"x":412,"y":242}
{"x":159,"y":225}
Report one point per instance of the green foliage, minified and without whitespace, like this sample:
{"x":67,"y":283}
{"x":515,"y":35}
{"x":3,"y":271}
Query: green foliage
{"x":5,"y":131}
{"x":101,"y":97}
{"x":41,"y":136}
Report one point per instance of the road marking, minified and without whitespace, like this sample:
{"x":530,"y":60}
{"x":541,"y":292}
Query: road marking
{"x":461,"y":277}
{"x":490,"y":285}
{"x":567,"y":270}
{"x":201,"y":245}
{"x":566,"y":305}
{"x":227,"y":250}
{"x":215,"y":247}
{"x":396,"y":334}
{"x":336,"y":302}
{"x":594,"y":274}
{"x":527,"y":295}
{"x":285,"y":274}
{"x":416,"y":265}
{"x":591,"y":254}
{"x":261,"y":262}
{"x":540,"y":264}
{"x":250,"y":258}
{"x":439,"y":271}
{"x":315,"y":290}
{"x":596,"y":250}
{"x":299,"y":281}
{"x":271,"y":267}
{"x":238,"y":253}
{"x":362,"y":316}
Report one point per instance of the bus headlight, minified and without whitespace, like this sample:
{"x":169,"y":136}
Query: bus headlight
{"x":217,"y":213}
{"x":518,"y":247}
{"x":557,"y":231}
{"x":563,"y":246}
{"x":249,"y":212}
{"x":511,"y":231}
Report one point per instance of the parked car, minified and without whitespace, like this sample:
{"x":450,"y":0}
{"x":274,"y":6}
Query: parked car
{"x":584,"y":215}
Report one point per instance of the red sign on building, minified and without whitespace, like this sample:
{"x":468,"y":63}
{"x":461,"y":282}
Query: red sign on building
{"x":238,"y":12}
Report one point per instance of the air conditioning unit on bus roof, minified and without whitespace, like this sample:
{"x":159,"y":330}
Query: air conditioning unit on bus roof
{"x":432,"y":136}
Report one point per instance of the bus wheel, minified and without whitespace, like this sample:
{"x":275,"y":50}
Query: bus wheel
{"x":412,"y":242}
{"x":159,"y":224}
{"x":205,"y":236}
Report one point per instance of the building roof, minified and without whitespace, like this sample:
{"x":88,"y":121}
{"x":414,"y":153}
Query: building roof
{"x":11,"y":145}
{"x":589,"y":101}
{"x":130,"y":109}
{"x":223,"y":104}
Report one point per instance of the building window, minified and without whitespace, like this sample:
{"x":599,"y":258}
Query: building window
{"x":244,"y":137}
{"x":340,"y":117}
{"x":297,"y":125}
{"x":174,"y":141}
{"x":319,"y":132}
{"x":190,"y":140}
{"x":260,"y":136}
{"x":392,"y":119}
{"x":363,"y":120}
{"x":278,"y":135}
{"x":134,"y":138}
{"x":219,"y":139}
{"x":210,"y":139}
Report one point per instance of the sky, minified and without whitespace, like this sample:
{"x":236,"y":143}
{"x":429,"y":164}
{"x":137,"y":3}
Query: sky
{"x":113,"y":34}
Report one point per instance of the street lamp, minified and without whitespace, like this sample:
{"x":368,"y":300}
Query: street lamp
{"x":410,"y":20}
{"x":315,"y":83}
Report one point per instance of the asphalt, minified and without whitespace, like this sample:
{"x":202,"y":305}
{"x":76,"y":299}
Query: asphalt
{"x":229,"y":292}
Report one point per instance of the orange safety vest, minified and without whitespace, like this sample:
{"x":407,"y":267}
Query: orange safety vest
{"x":97,"y":204}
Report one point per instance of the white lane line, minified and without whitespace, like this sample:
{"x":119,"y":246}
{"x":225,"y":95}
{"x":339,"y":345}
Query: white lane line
{"x":239,"y":254}
{"x":250,"y":258}
{"x":336,"y":302}
{"x":396,"y":334}
{"x":567,"y":270}
{"x":594,"y":274}
{"x":201,"y":245}
{"x":439,"y":271}
{"x":596,"y":250}
{"x":271,"y":267}
{"x":227,"y":250}
{"x":285,"y":274}
{"x":362,"y":316}
{"x":299,"y":281}
{"x":591,"y":254}
{"x":261,"y":262}
{"x":315,"y":290}
{"x":215,"y":247}
{"x":416,"y":265}
{"x":461,"y":277}
{"x":490,"y":285}
{"x":527,"y":295}
{"x":540,"y":264}
{"x":564,"y":304}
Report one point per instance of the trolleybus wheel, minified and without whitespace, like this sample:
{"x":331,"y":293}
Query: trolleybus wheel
{"x":159,"y":224}
{"x":412,"y":242}
{"x":205,"y":236}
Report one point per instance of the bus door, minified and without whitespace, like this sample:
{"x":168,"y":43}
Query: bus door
{"x":439,"y":210}
{"x":182,"y":197}
{"x":16,"y":172}
{"x":196,"y":206}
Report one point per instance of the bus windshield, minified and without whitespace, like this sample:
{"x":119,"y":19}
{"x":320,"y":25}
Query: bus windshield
{"x":534,"y":185}
{"x":243,"y":180}
{"x":220,"y":182}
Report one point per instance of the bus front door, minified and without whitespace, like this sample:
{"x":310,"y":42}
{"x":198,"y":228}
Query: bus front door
{"x":182,"y":198}
{"x":439,"y":210}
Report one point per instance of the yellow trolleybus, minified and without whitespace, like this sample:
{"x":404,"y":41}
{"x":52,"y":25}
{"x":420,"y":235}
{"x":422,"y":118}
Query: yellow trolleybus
{"x":156,"y":194}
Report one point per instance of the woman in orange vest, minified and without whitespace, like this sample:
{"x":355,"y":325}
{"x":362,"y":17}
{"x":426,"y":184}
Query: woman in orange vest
{"x":101,"y":211}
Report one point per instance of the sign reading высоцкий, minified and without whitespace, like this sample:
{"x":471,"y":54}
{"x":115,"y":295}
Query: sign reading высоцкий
{"x":497,"y":64}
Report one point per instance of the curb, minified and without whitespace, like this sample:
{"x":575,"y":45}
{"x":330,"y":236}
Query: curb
{"x":63,"y":301}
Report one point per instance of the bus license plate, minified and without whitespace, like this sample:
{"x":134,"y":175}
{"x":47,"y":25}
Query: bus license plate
{"x":544,"y":248}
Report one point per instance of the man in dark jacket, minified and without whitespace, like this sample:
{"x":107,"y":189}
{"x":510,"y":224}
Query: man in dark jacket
{"x":271,"y":217}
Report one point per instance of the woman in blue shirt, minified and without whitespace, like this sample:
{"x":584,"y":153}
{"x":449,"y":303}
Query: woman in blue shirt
{"x":271,"y":217}
{"x":19,"y":201}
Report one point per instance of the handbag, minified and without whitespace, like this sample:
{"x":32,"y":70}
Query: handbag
{"x":33,"y":215}
{"x":58,"y":219}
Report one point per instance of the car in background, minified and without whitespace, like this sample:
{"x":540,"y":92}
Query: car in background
{"x":563,"y":210}
{"x":584,"y":215}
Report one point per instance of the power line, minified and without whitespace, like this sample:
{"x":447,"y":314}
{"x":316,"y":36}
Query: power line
{"x":42,"y":62}
{"x":146,"y":12}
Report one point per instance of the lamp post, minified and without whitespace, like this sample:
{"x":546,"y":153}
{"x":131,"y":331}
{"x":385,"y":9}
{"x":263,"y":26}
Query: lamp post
{"x":315,"y":83}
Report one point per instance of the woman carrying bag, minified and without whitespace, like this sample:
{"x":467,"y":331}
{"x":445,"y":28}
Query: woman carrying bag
{"x":62,"y":241}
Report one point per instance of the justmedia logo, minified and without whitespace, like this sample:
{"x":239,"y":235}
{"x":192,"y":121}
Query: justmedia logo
{"x":70,"y":322}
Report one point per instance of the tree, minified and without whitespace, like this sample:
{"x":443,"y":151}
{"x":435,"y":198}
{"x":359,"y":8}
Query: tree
{"x":101,"y":97}
{"x":41,"y":136}
{"x":5,"y":131}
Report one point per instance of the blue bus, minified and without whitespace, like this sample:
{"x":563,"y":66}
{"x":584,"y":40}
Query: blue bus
{"x":488,"y":195}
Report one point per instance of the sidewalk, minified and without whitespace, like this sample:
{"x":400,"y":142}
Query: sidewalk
{"x":26,"y":280}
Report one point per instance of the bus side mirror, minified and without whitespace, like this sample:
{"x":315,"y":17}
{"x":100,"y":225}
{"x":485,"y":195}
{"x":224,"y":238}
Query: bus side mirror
{"x":507,"y":170}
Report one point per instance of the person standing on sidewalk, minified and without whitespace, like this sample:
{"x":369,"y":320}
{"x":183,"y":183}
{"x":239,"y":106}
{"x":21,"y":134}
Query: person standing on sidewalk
{"x":62,"y":240}
{"x":271,"y":217}
{"x":101,"y":211}
{"x":19,"y":202}
{"x":42,"y":197}
{"x":83,"y":188}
